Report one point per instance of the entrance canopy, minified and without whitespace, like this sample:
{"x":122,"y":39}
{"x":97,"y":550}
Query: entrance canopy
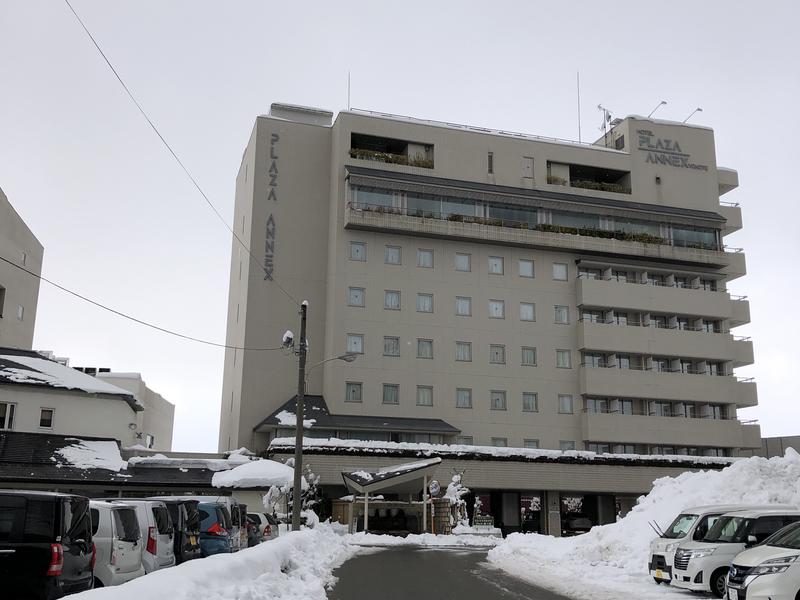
{"x":397,"y":479}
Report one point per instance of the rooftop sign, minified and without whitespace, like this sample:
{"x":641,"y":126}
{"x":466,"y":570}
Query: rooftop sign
{"x":661,"y":151}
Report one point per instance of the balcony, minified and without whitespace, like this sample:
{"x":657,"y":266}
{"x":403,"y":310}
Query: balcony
{"x":660,"y":299}
{"x":733,"y":217}
{"x":664,"y":342}
{"x":516,"y":233}
{"x":670,"y":431}
{"x":653,"y":385}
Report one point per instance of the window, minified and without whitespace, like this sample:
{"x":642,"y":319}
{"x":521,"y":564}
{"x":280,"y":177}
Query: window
{"x":497,"y":354}
{"x":562,"y":315}
{"x":358,"y":251}
{"x":497,"y":400}
{"x":531,"y":444}
{"x":463,"y":398}
{"x":592,"y":316}
{"x":496,"y":265}
{"x":681,"y":282}
{"x":463,"y":262}
{"x":594,"y":360}
{"x":490,"y":163}
{"x":352,"y":392}
{"x":7,"y":415}
{"x":355,"y":343}
{"x":661,"y":364}
{"x":425,"y":303}
{"x":2,"y":300}
{"x":620,"y":276}
{"x":355,"y":296}
{"x":391,"y":300}
{"x":659,"y":321}
{"x":565,"y":404}
{"x":391,"y":393}
{"x":525,"y":267}
{"x":425,"y":258}
{"x":598,"y":448}
{"x":566,"y":445}
{"x":527,"y":167}
{"x":656,"y":279}
{"x":424,"y":395}
{"x":393,"y":255}
{"x":46,"y":418}
{"x":424,"y":348}
{"x":711,"y":326}
{"x":463,"y":306}
{"x":527,"y":311}
{"x":20,"y":312}
{"x":528,"y":356}
{"x":464,"y":440}
{"x":597,"y":405}
{"x":620,"y":318}
{"x":24,"y":258}
{"x":623,"y":361}
{"x":500,"y":442}
{"x":391,"y":346}
{"x":709,"y":285}
{"x":464,"y":351}
{"x":530,"y":402}
{"x":497,"y":309}
{"x":563,"y":359}
{"x":587,"y":273}
{"x":560,"y":271}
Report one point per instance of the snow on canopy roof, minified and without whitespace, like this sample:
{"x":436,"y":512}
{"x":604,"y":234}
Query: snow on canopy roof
{"x":30,"y":368}
{"x":385,"y":477}
{"x":234,"y":459}
{"x":92,"y":454}
{"x":263,"y":473}
{"x":462,"y":451}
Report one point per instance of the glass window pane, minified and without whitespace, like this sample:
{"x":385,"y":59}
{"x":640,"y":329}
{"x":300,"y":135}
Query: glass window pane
{"x":497,"y":309}
{"x":355,"y":343}
{"x":528,"y":356}
{"x":391,"y":300}
{"x":425,"y":303}
{"x":496,"y":265}
{"x":391,"y":393}
{"x":500,"y":442}
{"x":563,"y":359}
{"x":424,"y":348}
{"x":527,"y":311}
{"x":530,"y":402}
{"x":355,"y":296}
{"x":560,"y":272}
{"x":566,"y":445}
{"x":562,"y":315}
{"x":393,"y":255}
{"x":497,"y":400}
{"x":525,"y":268}
{"x":463,"y":351}
{"x":463,"y":262}
{"x":463,"y":398}
{"x":463,"y":306}
{"x":565,"y":403}
{"x":424,"y":395}
{"x":497,"y":354}
{"x":425,"y":258}
{"x":353,"y":392}
{"x":391,"y":346}
{"x":531,"y":444}
{"x":358,"y":251}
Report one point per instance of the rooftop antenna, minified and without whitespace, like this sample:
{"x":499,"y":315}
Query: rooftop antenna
{"x":696,"y":110}
{"x":606,"y":121}
{"x":579,"y":106}
{"x":348,"y":89}
{"x":660,"y":104}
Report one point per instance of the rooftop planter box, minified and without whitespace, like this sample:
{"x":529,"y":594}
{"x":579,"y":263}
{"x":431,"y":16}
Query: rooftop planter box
{"x":600,"y":185}
{"x":388,"y":157}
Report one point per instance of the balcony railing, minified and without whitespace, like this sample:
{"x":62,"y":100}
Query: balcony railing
{"x":625,"y":236}
{"x":693,"y":371}
{"x":655,"y":283}
{"x":671,"y":415}
{"x":656,"y":325}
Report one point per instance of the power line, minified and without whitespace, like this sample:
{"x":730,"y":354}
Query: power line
{"x":172,"y":152}
{"x":129,"y":317}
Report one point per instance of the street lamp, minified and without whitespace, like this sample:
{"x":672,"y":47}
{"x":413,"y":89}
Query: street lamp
{"x":299,"y":411}
{"x":696,"y":110}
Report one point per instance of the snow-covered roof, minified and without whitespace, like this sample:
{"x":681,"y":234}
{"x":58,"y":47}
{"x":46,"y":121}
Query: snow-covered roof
{"x":337,"y":446}
{"x":212,"y":464}
{"x":30,"y":368}
{"x":262,"y":473}
{"x":92,"y":454}
{"x":391,"y":477}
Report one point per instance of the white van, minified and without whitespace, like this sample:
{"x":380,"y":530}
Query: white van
{"x":703,"y":566}
{"x":691,"y":524}
{"x":115,"y":531}
{"x":157,"y":532}
{"x":770,"y":570}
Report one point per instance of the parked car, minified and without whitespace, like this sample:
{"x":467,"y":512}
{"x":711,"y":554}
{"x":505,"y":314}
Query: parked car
{"x":46,"y":548}
{"x":215,"y":522}
{"x":157,"y":532}
{"x":692,"y":524}
{"x":770,"y":570}
{"x":703,"y":566}
{"x":239,"y":515}
{"x":237,"y":525}
{"x":118,"y":540}
{"x":186,"y":522}
{"x":267,"y":525}
{"x":253,"y":533}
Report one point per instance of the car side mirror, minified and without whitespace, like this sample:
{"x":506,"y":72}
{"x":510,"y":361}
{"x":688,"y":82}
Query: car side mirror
{"x":751,"y":540}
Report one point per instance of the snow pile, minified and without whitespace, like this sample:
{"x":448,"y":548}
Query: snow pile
{"x":262,"y":473}
{"x":290,"y":419}
{"x":234,"y":459}
{"x":424,"y":449}
{"x":365,"y":475}
{"x":295,"y":566}
{"x":610,"y":562}
{"x":89,"y":454}
{"x":421,"y":539}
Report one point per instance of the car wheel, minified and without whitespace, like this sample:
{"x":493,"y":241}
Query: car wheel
{"x":717,"y":583}
{"x":97,"y":583}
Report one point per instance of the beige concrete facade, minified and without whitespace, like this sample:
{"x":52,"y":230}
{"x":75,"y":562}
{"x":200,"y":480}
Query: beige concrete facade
{"x":19,"y":291}
{"x":630,"y":324}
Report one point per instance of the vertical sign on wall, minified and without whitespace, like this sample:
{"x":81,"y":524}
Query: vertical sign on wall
{"x":269,"y":240}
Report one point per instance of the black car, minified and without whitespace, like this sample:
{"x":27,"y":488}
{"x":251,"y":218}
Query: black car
{"x":186,"y":519}
{"x":46,"y":548}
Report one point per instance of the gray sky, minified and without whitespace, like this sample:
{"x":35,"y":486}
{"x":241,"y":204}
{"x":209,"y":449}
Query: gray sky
{"x":121,"y":223}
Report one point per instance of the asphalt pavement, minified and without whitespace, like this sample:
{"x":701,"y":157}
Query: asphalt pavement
{"x":409,"y":572}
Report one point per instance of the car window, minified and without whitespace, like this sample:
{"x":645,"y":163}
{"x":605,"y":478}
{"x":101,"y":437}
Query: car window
{"x":680,"y":526}
{"x":271,"y":520}
{"x":163,"y":522}
{"x":78,"y":525}
{"x":788,"y":537}
{"x":703,"y":526}
{"x":12,"y":518}
{"x":224,"y":516}
{"x":765,"y":527}
{"x":126,"y":524}
{"x":95,"y":520}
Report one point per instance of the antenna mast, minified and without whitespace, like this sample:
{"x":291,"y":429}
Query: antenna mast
{"x":348,"y":89}
{"x":579,"y":106}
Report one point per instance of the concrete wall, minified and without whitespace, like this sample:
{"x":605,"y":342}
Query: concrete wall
{"x":775,"y":446}
{"x":75,"y":414}
{"x":158,"y":417}
{"x":17,"y":288}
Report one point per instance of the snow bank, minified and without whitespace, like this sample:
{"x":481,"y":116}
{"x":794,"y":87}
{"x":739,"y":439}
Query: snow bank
{"x":295,"y":566}
{"x":88,"y":454}
{"x":257,"y":473}
{"x":610,"y":562}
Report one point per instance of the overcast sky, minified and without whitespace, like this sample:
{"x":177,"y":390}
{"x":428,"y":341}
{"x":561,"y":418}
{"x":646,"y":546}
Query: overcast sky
{"x":121,"y":223}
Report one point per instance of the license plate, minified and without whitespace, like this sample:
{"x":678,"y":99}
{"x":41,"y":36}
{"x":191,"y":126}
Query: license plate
{"x":659,"y":574}
{"x":733,"y":594}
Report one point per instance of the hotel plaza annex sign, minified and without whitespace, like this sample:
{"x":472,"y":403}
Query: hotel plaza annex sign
{"x":661,"y":151}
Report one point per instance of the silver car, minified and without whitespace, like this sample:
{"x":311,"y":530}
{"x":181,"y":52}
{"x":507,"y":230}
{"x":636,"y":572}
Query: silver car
{"x":267,"y":525}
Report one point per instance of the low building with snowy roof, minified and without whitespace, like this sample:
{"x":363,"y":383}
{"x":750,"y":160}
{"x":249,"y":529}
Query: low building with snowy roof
{"x":41,"y":395}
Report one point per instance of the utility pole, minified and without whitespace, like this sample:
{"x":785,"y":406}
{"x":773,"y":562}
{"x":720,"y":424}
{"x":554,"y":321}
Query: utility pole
{"x":299,"y":413}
